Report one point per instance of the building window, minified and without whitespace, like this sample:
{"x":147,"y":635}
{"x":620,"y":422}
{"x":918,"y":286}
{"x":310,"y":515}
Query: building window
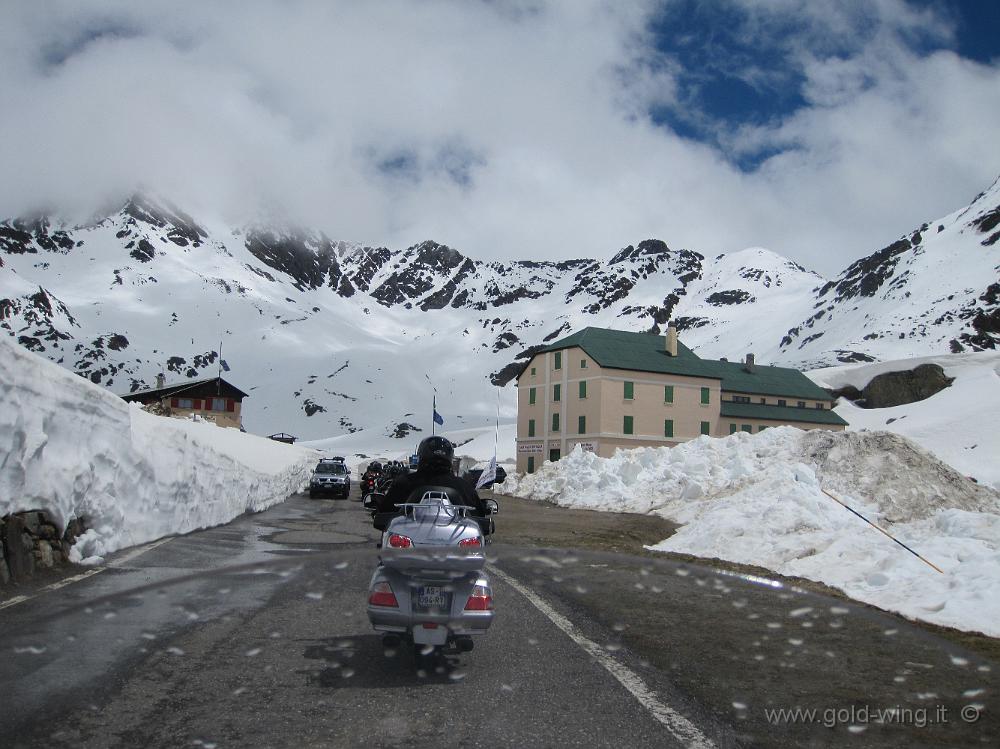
{"x":555,"y":422}
{"x":581,"y":425}
{"x":215,"y":404}
{"x":761,"y":428}
{"x":706,"y":428}
{"x":782,"y":402}
{"x":748,"y":428}
{"x":554,"y":455}
{"x":558,"y":364}
{"x":705,"y":396}
{"x":531,"y":396}
{"x":627,"y":425}
{"x":733,"y":429}
{"x":185,"y":403}
{"x":819,"y":406}
{"x":629,"y":391}
{"x":668,"y":427}
{"x":583,"y":363}
{"x":802,"y":404}
{"x":763,"y":401}
{"x":531,"y":427}
{"x":531,"y":464}
{"x":583,"y":389}
{"x":668,"y":393}
{"x":532,"y":374}
{"x":557,"y":393}
{"x":741,"y":399}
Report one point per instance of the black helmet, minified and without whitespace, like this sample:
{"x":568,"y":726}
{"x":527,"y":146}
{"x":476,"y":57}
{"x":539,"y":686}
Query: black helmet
{"x":435,"y":453}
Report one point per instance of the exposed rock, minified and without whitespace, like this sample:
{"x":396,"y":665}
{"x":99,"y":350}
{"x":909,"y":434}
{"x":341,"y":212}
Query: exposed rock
{"x":20,"y":561}
{"x":899,"y":388}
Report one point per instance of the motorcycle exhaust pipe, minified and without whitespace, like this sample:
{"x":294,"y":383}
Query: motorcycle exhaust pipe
{"x":464,"y":644}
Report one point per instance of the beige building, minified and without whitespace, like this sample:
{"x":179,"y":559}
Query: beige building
{"x":213,"y":399}
{"x":604,"y":389}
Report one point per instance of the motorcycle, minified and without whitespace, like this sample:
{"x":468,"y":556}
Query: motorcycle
{"x":430,"y":588}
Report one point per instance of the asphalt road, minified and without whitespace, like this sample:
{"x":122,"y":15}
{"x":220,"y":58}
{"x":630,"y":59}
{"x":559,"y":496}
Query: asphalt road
{"x":254,"y":634}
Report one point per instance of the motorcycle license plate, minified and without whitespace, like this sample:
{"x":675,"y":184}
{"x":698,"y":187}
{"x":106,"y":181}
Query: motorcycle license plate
{"x":429,"y":596}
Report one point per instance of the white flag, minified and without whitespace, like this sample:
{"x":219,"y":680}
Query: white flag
{"x":489,"y":475}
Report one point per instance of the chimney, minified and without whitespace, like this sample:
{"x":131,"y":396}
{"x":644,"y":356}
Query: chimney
{"x":161,"y":380}
{"x":672,"y":339}
{"x":749,"y":365}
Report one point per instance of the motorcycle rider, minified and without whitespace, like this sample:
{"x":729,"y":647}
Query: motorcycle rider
{"x":434,"y":463}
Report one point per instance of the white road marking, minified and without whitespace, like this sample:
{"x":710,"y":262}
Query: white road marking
{"x":139,"y":551}
{"x":136,"y":552}
{"x":681,"y":728}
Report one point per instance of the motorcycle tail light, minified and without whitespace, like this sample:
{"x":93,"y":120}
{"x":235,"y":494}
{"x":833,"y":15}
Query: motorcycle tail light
{"x":397,"y":541}
{"x":477,"y":541}
{"x":480,"y":600}
{"x":381,"y":595}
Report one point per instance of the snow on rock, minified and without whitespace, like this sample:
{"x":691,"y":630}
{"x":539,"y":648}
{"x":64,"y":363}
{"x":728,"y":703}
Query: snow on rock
{"x":957,"y":424}
{"x":73,"y":449}
{"x":757,"y":499}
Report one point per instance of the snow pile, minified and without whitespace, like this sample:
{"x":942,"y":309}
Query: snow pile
{"x":71,"y":448}
{"x":757,"y":499}
{"x":957,"y":424}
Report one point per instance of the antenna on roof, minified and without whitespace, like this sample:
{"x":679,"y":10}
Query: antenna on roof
{"x":219,"y":378}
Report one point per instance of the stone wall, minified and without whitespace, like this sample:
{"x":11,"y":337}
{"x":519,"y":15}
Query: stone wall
{"x":31,"y":541}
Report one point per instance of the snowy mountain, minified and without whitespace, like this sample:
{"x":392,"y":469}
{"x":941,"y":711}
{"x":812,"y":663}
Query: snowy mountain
{"x":330,"y":337}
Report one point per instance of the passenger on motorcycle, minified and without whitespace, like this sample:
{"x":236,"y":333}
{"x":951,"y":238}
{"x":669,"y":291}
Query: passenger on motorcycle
{"x":435,"y":455}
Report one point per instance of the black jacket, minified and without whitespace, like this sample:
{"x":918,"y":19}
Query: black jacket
{"x":405,"y":485}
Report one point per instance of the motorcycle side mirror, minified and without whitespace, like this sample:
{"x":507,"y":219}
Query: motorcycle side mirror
{"x":493,"y":506}
{"x":371,"y":501}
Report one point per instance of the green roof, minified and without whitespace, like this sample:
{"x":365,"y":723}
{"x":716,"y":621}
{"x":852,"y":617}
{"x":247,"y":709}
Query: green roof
{"x":780,"y":413}
{"x":643,"y":352}
{"x":646,"y":352}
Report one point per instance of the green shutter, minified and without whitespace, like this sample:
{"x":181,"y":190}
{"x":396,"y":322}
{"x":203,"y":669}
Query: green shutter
{"x":531,"y":464}
{"x":531,"y":396}
{"x":705,"y":395}
{"x":627,"y":426}
{"x":532,"y":374}
{"x":557,"y":393}
{"x":558,"y":364}
{"x":531,"y":427}
{"x":583,"y":388}
{"x":555,"y":422}
{"x":668,"y":393}
{"x":668,"y":428}
{"x":747,"y":428}
{"x":705,"y":427}
{"x":629,"y":391}
{"x":733,"y":429}
{"x":581,"y":424}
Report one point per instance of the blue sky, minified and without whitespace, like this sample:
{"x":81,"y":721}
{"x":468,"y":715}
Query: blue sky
{"x":513,"y":128}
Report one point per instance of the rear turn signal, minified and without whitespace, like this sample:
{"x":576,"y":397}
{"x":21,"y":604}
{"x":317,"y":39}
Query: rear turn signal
{"x":480,"y":600}
{"x":382,"y":595}
{"x":397,"y":541}
{"x":477,"y":541}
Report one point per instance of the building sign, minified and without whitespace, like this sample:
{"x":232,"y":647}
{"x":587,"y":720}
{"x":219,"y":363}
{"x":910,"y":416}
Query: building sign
{"x":589,"y":447}
{"x":529,"y":448}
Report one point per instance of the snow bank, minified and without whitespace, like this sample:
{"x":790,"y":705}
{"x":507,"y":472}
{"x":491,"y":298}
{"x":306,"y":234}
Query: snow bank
{"x":757,"y":499}
{"x":957,"y":424}
{"x":71,"y":448}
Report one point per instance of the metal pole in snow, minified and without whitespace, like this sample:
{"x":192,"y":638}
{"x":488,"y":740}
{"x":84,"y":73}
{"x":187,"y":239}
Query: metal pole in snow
{"x":880,"y":530}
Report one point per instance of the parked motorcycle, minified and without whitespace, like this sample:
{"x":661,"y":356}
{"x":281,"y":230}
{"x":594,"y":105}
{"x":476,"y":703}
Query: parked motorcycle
{"x":430,"y":588}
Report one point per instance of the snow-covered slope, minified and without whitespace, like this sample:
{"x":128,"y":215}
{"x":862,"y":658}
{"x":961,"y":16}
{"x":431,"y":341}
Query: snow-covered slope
{"x":73,"y":449}
{"x":936,"y":289}
{"x":330,"y":337}
{"x":958,"y":424}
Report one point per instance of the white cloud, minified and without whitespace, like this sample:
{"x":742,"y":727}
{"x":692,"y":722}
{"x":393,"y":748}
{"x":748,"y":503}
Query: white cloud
{"x":513,"y":129}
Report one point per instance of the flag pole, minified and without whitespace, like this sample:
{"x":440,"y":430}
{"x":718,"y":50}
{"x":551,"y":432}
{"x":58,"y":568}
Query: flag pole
{"x":434,"y":410}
